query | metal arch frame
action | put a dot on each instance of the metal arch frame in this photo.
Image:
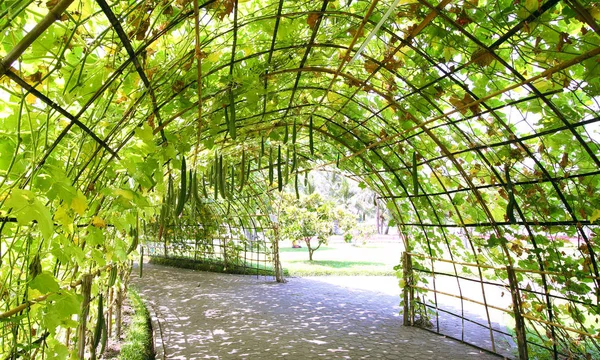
(427, 131)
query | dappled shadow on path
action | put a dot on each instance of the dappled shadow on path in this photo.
(208, 315)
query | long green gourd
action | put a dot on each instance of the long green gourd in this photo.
(99, 324)
(510, 207)
(311, 142)
(215, 173)
(182, 190)
(287, 166)
(216, 182)
(104, 338)
(190, 185)
(197, 194)
(136, 237)
(112, 277)
(294, 132)
(296, 186)
(222, 178)
(163, 215)
(259, 162)
(279, 177)
(243, 170)
(231, 120)
(248, 169)
(170, 195)
(271, 166)
(415, 177)
(232, 185)
(204, 192)
(215, 176)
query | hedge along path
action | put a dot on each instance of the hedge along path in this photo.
(476, 122)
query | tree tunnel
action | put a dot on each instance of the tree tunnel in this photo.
(476, 122)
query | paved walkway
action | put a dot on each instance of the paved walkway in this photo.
(201, 315)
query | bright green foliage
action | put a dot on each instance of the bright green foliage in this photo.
(475, 122)
(310, 219)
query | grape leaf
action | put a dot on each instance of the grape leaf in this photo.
(79, 203)
(27, 209)
(45, 283)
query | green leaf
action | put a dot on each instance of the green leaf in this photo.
(45, 283)
(79, 203)
(27, 208)
(595, 215)
(95, 236)
(56, 350)
(494, 241)
(145, 133)
(61, 306)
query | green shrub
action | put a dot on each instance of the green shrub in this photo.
(210, 265)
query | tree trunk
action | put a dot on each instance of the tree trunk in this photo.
(276, 260)
(310, 249)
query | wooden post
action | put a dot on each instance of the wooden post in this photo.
(141, 261)
(407, 290)
(119, 304)
(110, 310)
(519, 321)
(86, 289)
(68, 338)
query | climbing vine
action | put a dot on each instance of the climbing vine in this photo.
(142, 121)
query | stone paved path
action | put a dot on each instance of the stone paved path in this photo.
(201, 315)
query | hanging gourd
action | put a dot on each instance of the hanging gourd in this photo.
(311, 142)
(243, 170)
(270, 166)
(415, 178)
(182, 189)
(231, 119)
(294, 132)
(510, 207)
(221, 178)
(279, 177)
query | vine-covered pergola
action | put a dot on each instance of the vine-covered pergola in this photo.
(476, 122)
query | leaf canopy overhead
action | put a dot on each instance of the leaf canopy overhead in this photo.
(467, 114)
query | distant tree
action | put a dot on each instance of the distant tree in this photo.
(310, 219)
(346, 221)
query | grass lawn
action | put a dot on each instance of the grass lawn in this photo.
(341, 259)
